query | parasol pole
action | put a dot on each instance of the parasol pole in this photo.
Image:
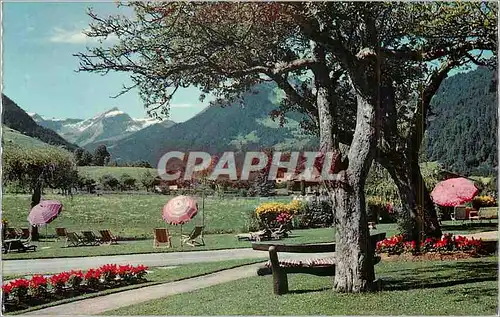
(203, 205)
(181, 236)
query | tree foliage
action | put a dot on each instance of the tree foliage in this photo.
(101, 155)
(50, 166)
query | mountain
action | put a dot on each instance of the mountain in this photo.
(462, 132)
(217, 129)
(105, 128)
(17, 119)
(12, 136)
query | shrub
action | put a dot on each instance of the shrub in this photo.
(447, 243)
(380, 210)
(19, 289)
(109, 182)
(483, 201)
(108, 272)
(392, 245)
(38, 286)
(139, 272)
(92, 277)
(75, 279)
(316, 213)
(58, 281)
(267, 213)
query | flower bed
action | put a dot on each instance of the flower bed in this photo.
(273, 214)
(448, 244)
(22, 293)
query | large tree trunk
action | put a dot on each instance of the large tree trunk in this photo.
(413, 193)
(354, 261)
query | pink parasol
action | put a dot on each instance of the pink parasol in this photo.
(180, 210)
(45, 212)
(453, 192)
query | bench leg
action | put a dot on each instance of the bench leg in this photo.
(280, 280)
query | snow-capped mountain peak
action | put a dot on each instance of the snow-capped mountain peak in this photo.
(107, 126)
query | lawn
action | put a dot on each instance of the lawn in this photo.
(467, 287)
(131, 215)
(158, 275)
(135, 216)
(51, 248)
(96, 172)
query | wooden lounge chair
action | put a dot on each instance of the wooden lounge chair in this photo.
(195, 238)
(61, 233)
(90, 238)
(459, 213)
(487, 213)
(17, 245)
(108, 237)
(25, 233)
(281, 232)
(14, 233)
(162, 237)
(74, 239)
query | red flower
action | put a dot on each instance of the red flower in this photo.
(59, 280)
(7, 288)
(37, 281)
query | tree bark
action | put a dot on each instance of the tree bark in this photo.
(35, 200)
(413, 192)
(354, 265)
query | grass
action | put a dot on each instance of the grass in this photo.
(58, 249)
(95, 172)
(16, 137)
(131, 215)
(135, 216)
(467, 287)
(156, 276)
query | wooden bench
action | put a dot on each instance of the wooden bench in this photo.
(487, 213)
(319, 267)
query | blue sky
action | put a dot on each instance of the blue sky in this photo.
(39, 69)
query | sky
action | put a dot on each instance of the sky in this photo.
(39, 69)
(39, 39)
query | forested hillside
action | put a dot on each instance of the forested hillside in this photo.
(16, 118)
(462, 132)
(217, 129)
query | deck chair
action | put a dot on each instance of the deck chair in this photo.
(195, 238)
(17, 245)
(261, 235)
(162, 237)
(14, 233)
(90, 238)
(73, 239)
(281, 232)
(459, 213)
(108, 237)
(61, 233)
(26, 233)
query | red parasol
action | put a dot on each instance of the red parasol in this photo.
(45, 212)
(453, 192)
(180, 210)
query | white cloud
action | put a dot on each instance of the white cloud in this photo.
(75, 36)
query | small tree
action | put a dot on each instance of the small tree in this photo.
(87, 158)
(127, 182)
(101, 155)
(38, 167)
(109, 182)
(147, 180)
